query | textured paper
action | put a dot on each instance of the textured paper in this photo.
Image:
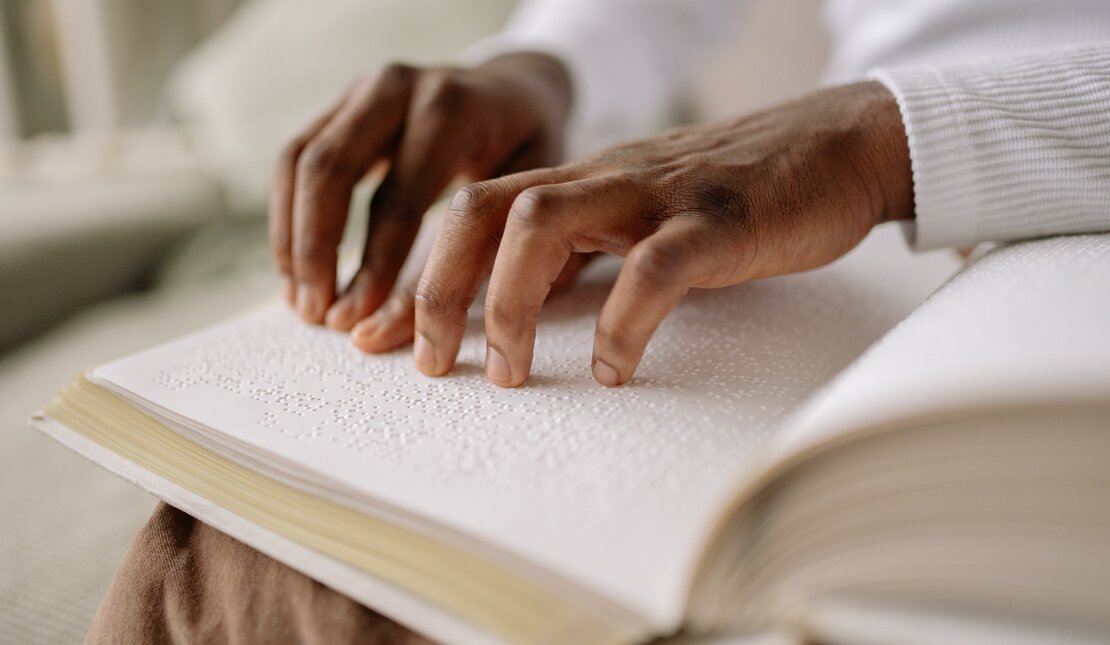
(1026, 324)
(607, 490)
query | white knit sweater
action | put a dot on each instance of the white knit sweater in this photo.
(1006, 102)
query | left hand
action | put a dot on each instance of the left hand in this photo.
(783, 190)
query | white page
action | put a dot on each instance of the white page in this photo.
(612, 489)
(1026, 324)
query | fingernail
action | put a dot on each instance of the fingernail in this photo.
(309, 304)
(605, 374)
(497, 368)
(339, 315)
(424, 354)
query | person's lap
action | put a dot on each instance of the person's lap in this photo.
(184, 581)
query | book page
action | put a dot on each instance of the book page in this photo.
(610, 490)
(1026, 324)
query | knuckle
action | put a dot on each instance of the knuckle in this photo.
(657, 262)
(441, 91)
(534, 206)
(431, 300)
(322, 158)
(474, 205)
(315, 246)
(509, 319)
(497, 314)
(472, 201)
(612, 339)
(471, 211)
(306, 250)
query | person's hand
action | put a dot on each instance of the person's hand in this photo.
(429, 126)
(784, 190)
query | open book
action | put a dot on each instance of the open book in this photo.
(773, 465)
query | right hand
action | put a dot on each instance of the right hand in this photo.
(429, 126)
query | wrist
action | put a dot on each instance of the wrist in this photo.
(888, 151)
(543, 76)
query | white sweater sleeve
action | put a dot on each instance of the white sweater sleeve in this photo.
(1009, 148)
(628, 59)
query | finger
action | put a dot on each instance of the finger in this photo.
(388, 241)
(460, 260)
(431, 153)
(392, 324)
(539, 154)
(656, 274)
(281, 200)
(539, 238)
(327, 170)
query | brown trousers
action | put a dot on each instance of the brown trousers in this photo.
(185, 582)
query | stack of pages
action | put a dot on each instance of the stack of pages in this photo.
(819, 453)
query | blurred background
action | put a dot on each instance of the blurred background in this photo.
(137, 139)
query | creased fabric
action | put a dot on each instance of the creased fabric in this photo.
(185, 582)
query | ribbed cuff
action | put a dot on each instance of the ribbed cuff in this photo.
(943, 163)
(1007, 149)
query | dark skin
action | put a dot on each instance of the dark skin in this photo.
(779, 191)
(428, 126)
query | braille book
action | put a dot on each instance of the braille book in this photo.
(830, 454)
